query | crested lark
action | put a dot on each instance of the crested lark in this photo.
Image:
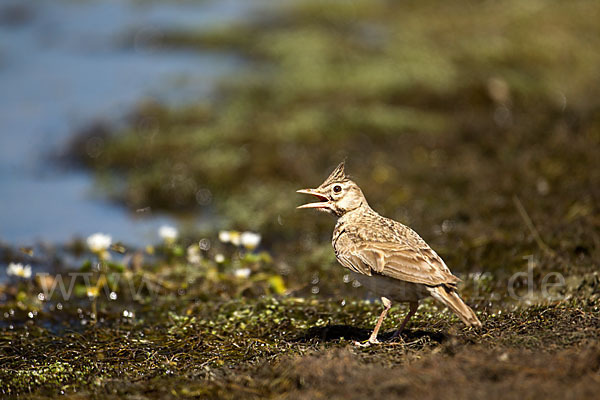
(385, 256)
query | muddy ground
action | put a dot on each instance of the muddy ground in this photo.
(296, 348)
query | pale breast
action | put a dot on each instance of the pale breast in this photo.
(393, 289)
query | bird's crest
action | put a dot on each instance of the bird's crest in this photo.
(338, 175)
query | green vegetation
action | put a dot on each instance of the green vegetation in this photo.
(445, 113)
(221, 322)
(477, 123)
(267, 347)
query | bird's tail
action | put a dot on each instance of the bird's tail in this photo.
(451, 299)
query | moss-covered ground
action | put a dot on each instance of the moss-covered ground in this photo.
(296, 347)
(476, 123)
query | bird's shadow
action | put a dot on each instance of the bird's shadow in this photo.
(336, 332)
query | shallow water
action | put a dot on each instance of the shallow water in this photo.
(64, 64)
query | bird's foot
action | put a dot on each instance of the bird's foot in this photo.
(367, 343)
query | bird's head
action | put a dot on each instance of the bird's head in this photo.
(337, 195)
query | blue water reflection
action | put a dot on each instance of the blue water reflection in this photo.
(65, 63)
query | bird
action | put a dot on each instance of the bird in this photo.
(387, 257)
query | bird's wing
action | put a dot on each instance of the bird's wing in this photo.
(405, 262)
(354, 263)
(401, 254)
(343, 251)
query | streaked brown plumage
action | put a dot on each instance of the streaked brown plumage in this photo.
(385, 256)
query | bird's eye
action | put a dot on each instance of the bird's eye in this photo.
(337, 188)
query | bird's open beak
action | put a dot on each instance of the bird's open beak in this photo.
(320, 204)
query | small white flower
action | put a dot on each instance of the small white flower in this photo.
(250, 240)
(220, 258)
(18, 269)
(224, 236)
(193, 254)
(242, 273)
(168, 233)
(233, 237)
(99, 242)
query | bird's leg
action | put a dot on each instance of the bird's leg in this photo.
(373, 338)
(411, 312)
(386, 307)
